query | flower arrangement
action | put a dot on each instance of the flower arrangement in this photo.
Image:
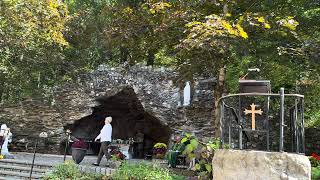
(80, 144)
(159, 150)
(116, 154)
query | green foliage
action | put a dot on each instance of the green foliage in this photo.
(315, 173)
(314, 162)
(144, 171)
(44, 43)
(160, 145)
(69, 170)
(31, 45)
(191, 145)
(202, 151)
(204, 166)
(313, 119)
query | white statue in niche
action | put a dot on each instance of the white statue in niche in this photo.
(186, 94)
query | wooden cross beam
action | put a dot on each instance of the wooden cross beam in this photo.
(253, 111)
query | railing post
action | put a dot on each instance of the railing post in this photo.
(302, 127)
(281, 118)
(221, 124)
(295, 127)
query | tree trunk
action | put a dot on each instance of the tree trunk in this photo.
(218, 93)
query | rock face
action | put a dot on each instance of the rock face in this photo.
(138, 99)
(256, 165)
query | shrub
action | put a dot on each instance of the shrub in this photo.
(69, 170)
(80, 144)
(315, 173)
(144, 171)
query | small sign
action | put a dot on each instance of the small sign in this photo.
(253, 113)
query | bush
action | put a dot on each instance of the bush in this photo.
(144, 171)
(69, 170)
(314, 162)
(315, 173)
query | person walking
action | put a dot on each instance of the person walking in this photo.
(105, 139)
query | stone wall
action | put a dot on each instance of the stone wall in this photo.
(154, 88)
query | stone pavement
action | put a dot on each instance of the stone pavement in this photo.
(52, 159)
(20, 166)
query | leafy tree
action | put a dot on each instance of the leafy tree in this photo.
(209, 38)
(45, 42)
(31, 43)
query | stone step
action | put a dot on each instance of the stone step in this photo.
(12, 169)
(7, 178)
(18, 175)
(14, 162)
(6, 167)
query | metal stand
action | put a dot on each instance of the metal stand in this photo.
(34, 156)
(67, 145)
(41, 135)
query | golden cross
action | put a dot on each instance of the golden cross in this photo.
(253, 111)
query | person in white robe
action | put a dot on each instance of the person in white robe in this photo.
(7, 135)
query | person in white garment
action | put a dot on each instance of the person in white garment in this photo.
(2, 135)
(7, 135)
(105, 139)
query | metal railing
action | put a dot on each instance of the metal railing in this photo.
(298, 145)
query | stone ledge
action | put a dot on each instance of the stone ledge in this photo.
(260, 165)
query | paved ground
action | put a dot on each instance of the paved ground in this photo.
(86, 164)
(52, 159)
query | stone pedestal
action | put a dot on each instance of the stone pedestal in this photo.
(259, 165)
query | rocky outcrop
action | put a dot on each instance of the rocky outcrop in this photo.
(256, 165)
(139, 92)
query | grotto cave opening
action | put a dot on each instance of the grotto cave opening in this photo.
(129, 118)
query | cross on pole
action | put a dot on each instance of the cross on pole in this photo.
(253, 111)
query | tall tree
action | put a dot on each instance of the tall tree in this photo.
(31, 43)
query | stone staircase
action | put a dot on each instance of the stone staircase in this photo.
(11, 169)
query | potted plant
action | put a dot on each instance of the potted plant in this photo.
(117, 155)
(79, 150)
(117, 158)
(159, 150)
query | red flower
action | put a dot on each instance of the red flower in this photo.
(316, 156)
